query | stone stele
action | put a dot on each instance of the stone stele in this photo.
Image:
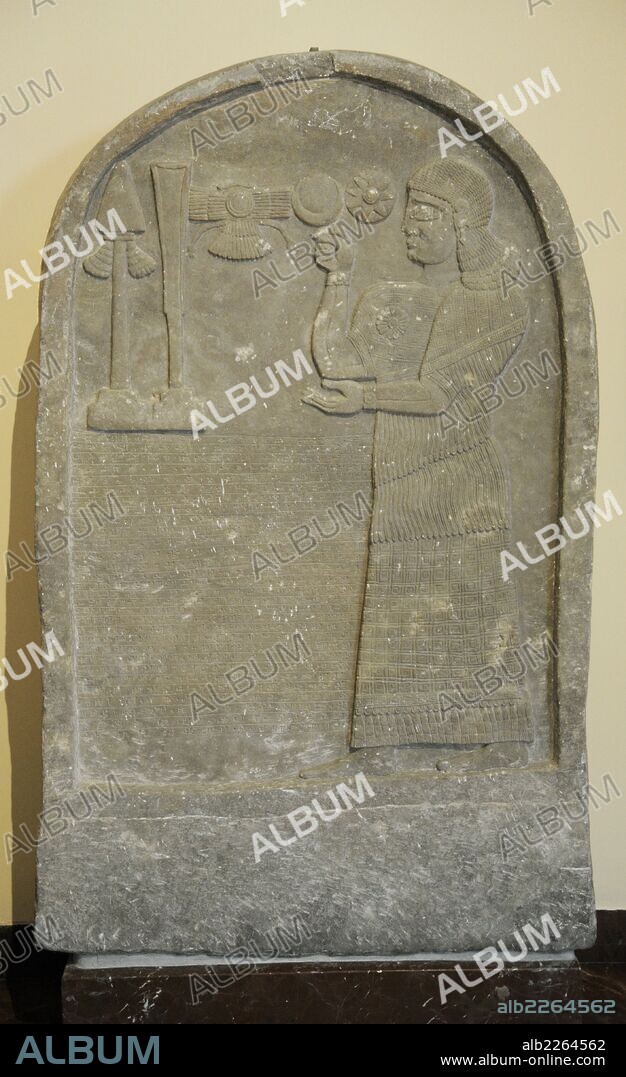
(317, 388)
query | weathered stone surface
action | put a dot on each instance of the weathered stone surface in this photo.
(240, 637)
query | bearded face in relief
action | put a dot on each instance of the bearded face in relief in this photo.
(429, 230)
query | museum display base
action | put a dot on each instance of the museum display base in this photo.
(323, 991)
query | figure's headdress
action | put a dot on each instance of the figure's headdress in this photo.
(470, 196)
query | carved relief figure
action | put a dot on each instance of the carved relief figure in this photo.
(436, 609)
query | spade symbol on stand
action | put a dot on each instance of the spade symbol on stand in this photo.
(119, 407)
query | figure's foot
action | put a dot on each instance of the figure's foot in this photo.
(501, 756)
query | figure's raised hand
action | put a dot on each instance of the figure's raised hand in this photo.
(336, 397)
(332, 253)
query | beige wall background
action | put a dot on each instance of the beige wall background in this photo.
(112, 57)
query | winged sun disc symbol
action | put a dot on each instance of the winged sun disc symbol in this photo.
(241, 211)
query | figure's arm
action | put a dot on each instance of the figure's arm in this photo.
(333, 352)
(416, 397)
(430, 394)
(348, 397)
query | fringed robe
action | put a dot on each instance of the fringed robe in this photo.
(436, 609)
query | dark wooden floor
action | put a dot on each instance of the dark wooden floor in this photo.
(31, 990)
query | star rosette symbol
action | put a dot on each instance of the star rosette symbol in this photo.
(392, 323)
(371, 195)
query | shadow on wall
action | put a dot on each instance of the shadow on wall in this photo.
(23, 698)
